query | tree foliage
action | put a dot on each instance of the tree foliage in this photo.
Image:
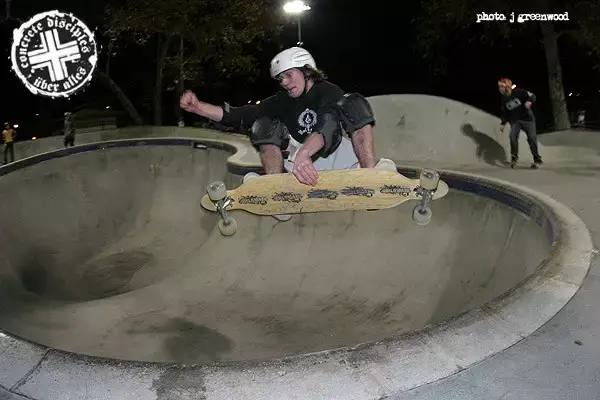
(442, 22)
(587, 34)
(219, 35)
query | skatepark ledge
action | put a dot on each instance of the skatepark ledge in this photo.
(366, 371)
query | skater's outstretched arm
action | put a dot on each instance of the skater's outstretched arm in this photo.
(190, 103)
(239, 117)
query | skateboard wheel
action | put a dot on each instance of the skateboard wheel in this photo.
(386, 164)
(229, 228)
(216, 191)
(429, 179)
(422, 215)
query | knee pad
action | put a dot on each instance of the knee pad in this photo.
(266, 130)
(356, 112)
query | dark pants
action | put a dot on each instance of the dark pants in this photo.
(69, 141)
(529, 128)
(9, 147)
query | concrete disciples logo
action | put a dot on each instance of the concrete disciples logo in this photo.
(54, 54)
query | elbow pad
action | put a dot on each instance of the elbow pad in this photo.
(235, 118)
(331, 131)
(356, 112)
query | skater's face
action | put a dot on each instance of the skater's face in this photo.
(504, 88)
(292, 80)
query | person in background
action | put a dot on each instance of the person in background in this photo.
(69, 130)
(581, 118)
(516, 109)
(8, 137)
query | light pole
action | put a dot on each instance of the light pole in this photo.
(296, 7)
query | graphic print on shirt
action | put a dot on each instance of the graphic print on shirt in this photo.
(513, 103)
(307, 120)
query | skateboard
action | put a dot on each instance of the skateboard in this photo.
(337, 190)
(513, 165)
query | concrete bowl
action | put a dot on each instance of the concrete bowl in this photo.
(115, 283)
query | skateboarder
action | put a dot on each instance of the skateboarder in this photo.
(300, 128)
(516, 109)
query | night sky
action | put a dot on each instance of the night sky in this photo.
(363, 46)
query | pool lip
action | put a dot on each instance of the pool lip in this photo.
(368, 370)
(235, 164)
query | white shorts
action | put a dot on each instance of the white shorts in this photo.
(343, 157)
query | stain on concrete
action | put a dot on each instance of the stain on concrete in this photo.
(276, 326)
(361, 309)
(381, 311)
(177, 384)
(185, 341)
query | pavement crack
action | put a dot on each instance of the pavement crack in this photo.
(30, 372)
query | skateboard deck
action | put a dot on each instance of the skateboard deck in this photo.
(518, 165)
(336, 190)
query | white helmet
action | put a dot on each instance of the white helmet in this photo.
(294, 57)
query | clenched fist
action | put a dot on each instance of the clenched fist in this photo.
(189, 102)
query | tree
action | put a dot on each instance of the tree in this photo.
(442, 20)
(192, 37)
(105, 78)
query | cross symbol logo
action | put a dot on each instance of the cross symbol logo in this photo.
(54, 55)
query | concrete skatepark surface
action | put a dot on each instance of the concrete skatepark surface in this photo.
(570, 181)
(114, 245)
(428, 130)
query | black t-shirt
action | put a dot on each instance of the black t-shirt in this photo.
(302, 116)
(513, 106)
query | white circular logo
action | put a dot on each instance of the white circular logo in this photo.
(54, 54)
(306, 120)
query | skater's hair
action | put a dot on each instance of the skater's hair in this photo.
(313, 73)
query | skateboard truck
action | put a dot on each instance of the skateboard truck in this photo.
(428, 180)
(217, 192)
